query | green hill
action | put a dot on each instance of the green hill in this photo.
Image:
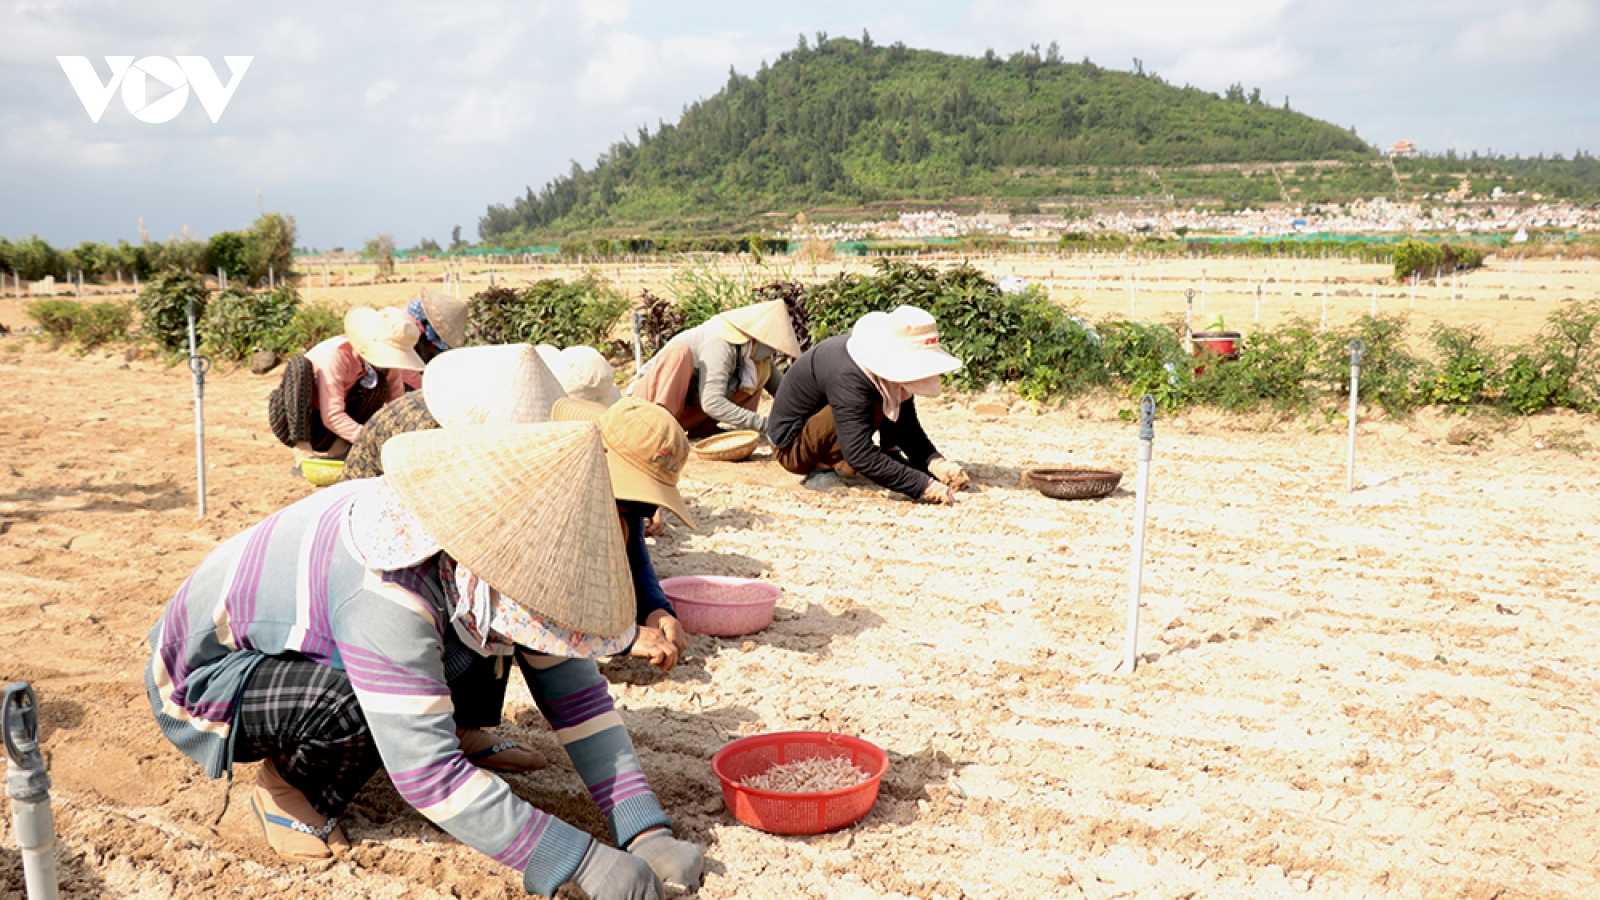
(848, 123)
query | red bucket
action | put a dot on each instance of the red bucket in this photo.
(1217, 343)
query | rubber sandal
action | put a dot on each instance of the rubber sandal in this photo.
(290, 838)
(285, 816)
(490, 751)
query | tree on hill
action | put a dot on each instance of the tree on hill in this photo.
(849, 122)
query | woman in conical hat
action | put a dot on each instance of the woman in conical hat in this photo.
(323, 643)
(711, 376)
(329, 393)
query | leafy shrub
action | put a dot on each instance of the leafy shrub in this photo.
(57, 318)
(1425, 260)
(1148, 359)
(701, 292)
(545, 312)
(1275, 369)
(659, 321)
(241, 321)
(1388, 367)
(163, 308)
(312, 324)
(225, 251)
(1464, 373)
(1561, 367)
(90, 326)
(269, 246)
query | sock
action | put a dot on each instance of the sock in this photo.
(678, 863)
(609, 874)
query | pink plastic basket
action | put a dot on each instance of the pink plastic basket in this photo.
(784, 813)
(722, 606)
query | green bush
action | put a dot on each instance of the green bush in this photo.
(89, 326)
(1148, 359)
(240, 321)
(1561, 367)
(1388, 367)
(1275, 369)
(57, 318)
(163, 308)
(1464, 372)
(700, 292)
(546, 312)
(1425, 260)
(312, 324)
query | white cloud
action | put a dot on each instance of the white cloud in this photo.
(380, 91)
(1525, 31)
(1153, 25)
(1250, 66)
(622, 66)
(597, 13)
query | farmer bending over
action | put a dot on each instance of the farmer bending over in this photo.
(849, 389)
(323, 642)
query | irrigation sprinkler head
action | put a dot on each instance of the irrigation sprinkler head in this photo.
(1357, 347)
(200, 365)
(1189, 296)
(1147, 418)
(26, 777)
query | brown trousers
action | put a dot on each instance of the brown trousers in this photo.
(667, 383)
(816, 447)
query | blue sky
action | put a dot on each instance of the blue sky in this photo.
(406, 118)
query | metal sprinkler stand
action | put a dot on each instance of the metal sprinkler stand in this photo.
(1147, 437)
(28, 786)
(199, 365)
(1356, 347)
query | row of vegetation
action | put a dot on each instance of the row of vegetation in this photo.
(251, 255)
(1016, 339)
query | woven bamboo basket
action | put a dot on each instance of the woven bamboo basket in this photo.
(729, 447)
(1072, 484)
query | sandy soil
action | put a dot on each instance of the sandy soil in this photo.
(1390, 692)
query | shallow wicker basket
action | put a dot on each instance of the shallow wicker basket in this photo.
(321, 472)
(1072, 484)
(731, 446)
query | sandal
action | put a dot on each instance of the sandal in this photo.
(285, 816)
(490, 751)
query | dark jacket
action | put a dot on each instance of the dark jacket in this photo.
(825, 375)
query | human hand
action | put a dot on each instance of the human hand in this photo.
(938, 492)
(652, 644)
(671, 629)
(654, 525)
(948, 472)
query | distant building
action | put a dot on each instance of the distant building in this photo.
(1403, 150)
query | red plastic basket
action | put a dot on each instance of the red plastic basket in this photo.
(785, 813)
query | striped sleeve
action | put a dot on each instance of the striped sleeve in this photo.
(392, 645)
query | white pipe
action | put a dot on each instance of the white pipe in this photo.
(198, 365)
(1147, 435)
(1357, 347)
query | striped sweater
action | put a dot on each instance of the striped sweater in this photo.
(294, 583)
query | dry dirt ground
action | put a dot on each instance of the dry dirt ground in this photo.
(1384, 693)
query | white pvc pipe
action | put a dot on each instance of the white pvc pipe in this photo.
(1357, 347)
(197, 366)
(1147, 434)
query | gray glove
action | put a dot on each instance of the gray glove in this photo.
(679, 863)
(609, 874)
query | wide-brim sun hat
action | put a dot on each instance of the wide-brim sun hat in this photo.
(527, 508)
(501, 384)
(447, 315)
(386, 338)
(767, 322)
(646, 449)
(584, 373)
(900, 346)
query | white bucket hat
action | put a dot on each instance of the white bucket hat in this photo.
(526, 508)
(385, 338)
(767, 322)
(502, 384)
(447, 315)
(900, 346)
(584, 373)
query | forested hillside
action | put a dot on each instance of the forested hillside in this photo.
(847, 122)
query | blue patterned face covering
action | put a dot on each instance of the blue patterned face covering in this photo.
(415, 310)
(369, 375)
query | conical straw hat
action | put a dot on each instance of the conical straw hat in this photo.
(502, 384)
(447, 315)
(768, 323)
(528, 509)
(386, 338)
